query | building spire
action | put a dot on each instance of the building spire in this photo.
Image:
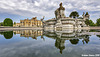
(60, 4)
(83, 13)
(61, 7)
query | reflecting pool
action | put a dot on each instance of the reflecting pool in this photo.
(50, 43)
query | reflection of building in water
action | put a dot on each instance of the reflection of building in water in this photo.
(67, 34)
(30, 33)
(72, 35)
(60, 36)
(86, 39)
(17, 32)
(60, 44)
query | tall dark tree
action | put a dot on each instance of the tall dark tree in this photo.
(87, 22)
(14, 23)
(74, 14)
(1, 24)
(98, 22)
(86, 13)
(91, 23)
(8, 22)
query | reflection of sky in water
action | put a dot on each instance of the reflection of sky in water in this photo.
(28, 47)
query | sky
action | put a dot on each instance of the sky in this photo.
(22, 9)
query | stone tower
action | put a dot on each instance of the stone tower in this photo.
(83, 15)
(59, 13)
(86, 16)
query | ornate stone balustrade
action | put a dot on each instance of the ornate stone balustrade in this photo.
(68, 22)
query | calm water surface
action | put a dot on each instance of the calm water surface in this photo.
(42, 43)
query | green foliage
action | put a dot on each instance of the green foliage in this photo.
(2, 33)
(89, 22)
(14, 23)
(92, 30)
(86, 13)
(1, 24)
(15, 33)
(58, 45)
(98, 22)
(98, 36)
(7, 34)
(8, 22)
(74, 14)
(74, 41)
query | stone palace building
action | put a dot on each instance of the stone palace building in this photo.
(62, 22)
(29, 23)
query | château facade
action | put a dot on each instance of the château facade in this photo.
(62, 22)
(29, 23)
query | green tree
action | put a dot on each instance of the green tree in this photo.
(8, 22)
(87, 22)
(91, 23)
(98, 22)
(74, 14)
(86, 13)
(1, 24)
(8, 34)
(98, 36)
(74, 41)
(14, 23)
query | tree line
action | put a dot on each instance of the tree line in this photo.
(89, 22)
(74, 14)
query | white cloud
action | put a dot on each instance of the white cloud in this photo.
(46, 7)
(36, 3)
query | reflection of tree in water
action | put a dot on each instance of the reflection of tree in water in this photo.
(74, 41)
(34, 37)
(42, 37)
(15, 33)
(60, 44)
(8, 34)
(98, 36)
(86, 39)
(61, 37)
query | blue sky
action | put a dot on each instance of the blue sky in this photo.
(22, 9)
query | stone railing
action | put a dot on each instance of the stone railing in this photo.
(68, 22)
(79, 22)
